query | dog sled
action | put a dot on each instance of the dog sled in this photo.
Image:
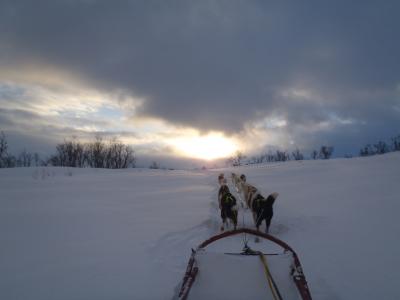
(215, 273)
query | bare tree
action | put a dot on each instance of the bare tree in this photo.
(6, 160)
(237, 160)
(129, 158)
(70, 153)
(381, 147)
(96, 153)
(269, 157)
(314, 154)
(24, 159)
(10, 161)
(367, 151)
(154, 165)
(3, 150)
(36, 159)
(396, 143)
(326, 152)
(74, 153)
(119, 155)
(297, 155)
(281, 156)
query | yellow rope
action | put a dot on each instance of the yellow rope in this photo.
(268, 274)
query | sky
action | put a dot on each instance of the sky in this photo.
(194, 81)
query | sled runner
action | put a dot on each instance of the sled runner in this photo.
(248, 274)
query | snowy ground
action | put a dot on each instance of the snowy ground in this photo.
(104, 234)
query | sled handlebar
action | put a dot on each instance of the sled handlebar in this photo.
(297, 271)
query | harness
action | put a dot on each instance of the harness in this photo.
(228, 200)
(271, 282)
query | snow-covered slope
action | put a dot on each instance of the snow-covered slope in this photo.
(103, 234)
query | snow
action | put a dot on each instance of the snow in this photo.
(239, 277)
(127, 234)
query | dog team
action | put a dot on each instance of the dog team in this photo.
(260, 207)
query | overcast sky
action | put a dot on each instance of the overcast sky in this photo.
(163, 74)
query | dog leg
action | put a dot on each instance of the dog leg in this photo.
(257, 239)
(222, 225)
(254, 218)
(267, 224)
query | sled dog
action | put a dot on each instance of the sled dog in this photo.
(221, 179)
(249, 193)
(262, 210)
(227, 206)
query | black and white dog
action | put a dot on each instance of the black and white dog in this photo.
(262, 210)
(227, 206)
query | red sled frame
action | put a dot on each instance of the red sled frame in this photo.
(296, 272)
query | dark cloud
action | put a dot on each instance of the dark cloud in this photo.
(14, 116)
(27, 129)
(217, 65)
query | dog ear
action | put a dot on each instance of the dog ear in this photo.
(275, 195)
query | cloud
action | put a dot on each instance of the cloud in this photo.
(51, 113)
(289, 72)
(50, 106)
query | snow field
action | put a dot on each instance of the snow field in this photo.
(108, 234)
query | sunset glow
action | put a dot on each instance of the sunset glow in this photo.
(209, 147)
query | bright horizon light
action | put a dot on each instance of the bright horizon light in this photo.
(209, 147)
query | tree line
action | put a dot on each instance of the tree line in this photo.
(324, 152)
(112, 154)
(24, 159)
(381, 147)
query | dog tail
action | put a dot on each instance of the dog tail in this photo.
(269, 201)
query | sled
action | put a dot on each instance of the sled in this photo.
(248, 274)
